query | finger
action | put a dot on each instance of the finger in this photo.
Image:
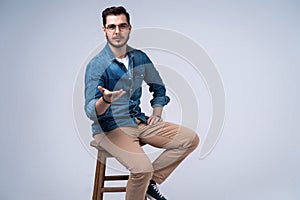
(102, 89)
(121, 93)
(156, 120)
(152, 120)
(118, 94)
(149, 120)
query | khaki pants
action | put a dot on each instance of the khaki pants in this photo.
(124, 144)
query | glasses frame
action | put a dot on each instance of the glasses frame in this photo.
(113, 27)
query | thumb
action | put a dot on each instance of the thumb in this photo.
(101, 89)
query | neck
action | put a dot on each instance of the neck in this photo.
(119, 52)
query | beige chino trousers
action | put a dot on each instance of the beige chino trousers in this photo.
(124, 144)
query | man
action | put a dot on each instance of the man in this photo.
(113, 90)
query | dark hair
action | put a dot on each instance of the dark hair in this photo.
(115, 11)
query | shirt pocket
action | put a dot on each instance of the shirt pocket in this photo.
(138, 78)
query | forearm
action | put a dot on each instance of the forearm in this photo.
(101, 106)
(157, 111)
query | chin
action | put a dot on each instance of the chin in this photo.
(118, 45)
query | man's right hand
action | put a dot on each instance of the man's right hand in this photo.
(111, 95)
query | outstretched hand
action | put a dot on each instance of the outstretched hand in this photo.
(111, 95)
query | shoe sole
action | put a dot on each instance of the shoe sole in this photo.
(149, 197)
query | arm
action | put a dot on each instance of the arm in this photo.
(157, 87)
(94, 92)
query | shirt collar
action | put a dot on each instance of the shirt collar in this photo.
(112, 57)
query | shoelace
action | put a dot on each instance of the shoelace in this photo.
(156, 189)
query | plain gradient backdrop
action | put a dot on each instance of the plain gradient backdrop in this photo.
(254, 45)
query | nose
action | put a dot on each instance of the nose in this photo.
(117, 29)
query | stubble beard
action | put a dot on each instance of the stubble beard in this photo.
(118, 44)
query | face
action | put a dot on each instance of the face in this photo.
(117, 30)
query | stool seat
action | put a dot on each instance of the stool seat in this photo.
(101, 177)
(93, 143)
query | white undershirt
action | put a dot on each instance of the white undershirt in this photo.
(124, 60)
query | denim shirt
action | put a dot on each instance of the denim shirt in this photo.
(106, 71)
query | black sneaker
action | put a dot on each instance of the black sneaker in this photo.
(153, 193)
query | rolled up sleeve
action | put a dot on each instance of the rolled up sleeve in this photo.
(156, 86)
(90, 110)
(159, 95)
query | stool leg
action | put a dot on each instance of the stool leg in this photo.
(99, 176)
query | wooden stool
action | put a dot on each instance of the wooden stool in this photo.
(100, 176)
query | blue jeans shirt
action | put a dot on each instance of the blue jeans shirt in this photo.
(106, 71)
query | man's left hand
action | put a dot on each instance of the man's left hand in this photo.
(154, 119)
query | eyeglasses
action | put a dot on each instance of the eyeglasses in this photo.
(112, 27)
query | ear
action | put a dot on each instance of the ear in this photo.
(103, 30)
(130, 27)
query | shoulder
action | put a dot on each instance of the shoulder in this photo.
(97, 65)
(140, 56)
(93, 64)
(137, 52)
(102, 58)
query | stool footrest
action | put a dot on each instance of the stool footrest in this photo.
(114, 189)
(116, 178)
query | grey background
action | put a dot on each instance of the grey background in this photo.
(254, 45)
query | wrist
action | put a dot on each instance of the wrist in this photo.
(106, 101)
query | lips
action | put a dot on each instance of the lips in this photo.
(117, 38)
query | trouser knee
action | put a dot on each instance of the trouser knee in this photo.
(141, 165)
(190, 139)
(195, 142)
(144, 177)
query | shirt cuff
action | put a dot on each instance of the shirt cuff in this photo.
(90, 110)
(159, 101)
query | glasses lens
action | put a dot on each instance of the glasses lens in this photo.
(111, 27)
(123, 26)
